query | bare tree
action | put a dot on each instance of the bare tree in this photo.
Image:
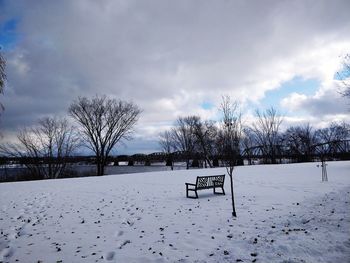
(45, 146)
(2, 78)
(104, 122)
(167, 146)
(299, 141)
(183, 136)
(232, 134)
(248, 143)
(333, 139)
(205, 134)
(165, 142)
(266, 130)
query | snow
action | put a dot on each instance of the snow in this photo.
(285, 214)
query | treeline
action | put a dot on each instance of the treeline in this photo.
(100, 123)
(263, 139)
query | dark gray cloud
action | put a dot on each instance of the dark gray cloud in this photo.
(167, 56)
(324, 106)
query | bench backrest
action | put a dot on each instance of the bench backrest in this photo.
(204, 182)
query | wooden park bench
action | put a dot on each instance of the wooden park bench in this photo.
(206, 182)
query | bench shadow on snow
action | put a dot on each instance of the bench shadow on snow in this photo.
(206, 195)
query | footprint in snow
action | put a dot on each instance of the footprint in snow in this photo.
(122, 244)
(119, 233)
(128, 222)
(109, 256)
(6, 253)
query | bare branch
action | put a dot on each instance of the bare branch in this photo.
(231, 137)
(2, 78)
(104, 122)
(266, 130)
(52, 139)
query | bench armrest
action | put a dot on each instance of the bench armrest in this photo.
(190, 184)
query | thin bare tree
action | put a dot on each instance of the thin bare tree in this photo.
(45, 146)
(232, 134)
(248, 143)
(167, 145)
(299, 141)
(205, 134)
(333, 139)
(266, 130)
(2, 78)
(183, 137)
(104, 122)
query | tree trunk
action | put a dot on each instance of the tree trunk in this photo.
(103, 164)
(233, 199)
(50, 168)
(99, 165)
(102, 169)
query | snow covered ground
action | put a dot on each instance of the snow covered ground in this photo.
(285, 214)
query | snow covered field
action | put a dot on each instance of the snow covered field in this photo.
(285, 214)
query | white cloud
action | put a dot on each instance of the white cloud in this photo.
(294, 101)
(170, 56)
(326, 101)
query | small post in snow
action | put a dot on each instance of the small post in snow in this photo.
(324, 171)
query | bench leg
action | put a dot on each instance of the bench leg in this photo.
(219, 193)
(193, 197)
(188, 196)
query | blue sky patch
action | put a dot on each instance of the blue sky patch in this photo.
(298, 84)
(342, 74)
(206, 105)
(8, 35)
(274, 97)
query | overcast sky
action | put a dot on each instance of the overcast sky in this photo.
(174, 58)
